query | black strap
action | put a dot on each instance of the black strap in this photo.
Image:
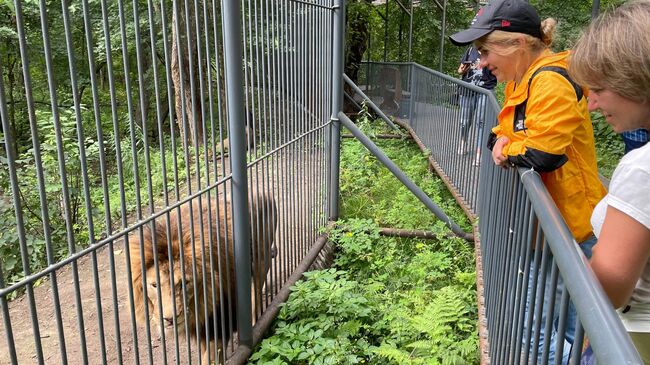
(540, 160)
(520, 109)
(562, 71)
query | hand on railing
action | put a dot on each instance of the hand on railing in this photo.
(497, 155)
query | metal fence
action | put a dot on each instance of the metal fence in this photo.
(145, 144)
(449, 118)
(522, 235)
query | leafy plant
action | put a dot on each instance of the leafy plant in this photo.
(609, 145)
(386, 300)
(324, 322)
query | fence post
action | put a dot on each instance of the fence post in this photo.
(337, 102)
(442, 36)
(413, 92)
(241, 226)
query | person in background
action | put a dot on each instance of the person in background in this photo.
(634, 139)
(544, 125)
(472, 104)
(612, 58)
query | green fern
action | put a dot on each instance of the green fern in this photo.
(394, 355)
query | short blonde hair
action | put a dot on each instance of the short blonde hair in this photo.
(613, 52)
(506, 43)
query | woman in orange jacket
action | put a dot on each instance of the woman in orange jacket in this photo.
(544, 123)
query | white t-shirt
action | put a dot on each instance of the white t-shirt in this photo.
(629, 192)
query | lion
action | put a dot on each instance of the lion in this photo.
(204, 272)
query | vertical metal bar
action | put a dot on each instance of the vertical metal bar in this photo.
(579, 335)
(337, 102)
(241, 228)
(522, 285)
(293, 130)
(184, 135)
(174, 150)
(385, 31)
(9, 139)
(502, 286)
(127, 81)
(11, 161)
(152, 38)
(297, 175)
(211, 332)
(120, 175)
(564, 306)
(100, 141)
(76, 99)
(442, 34)
(550, 314)
(595, 9)
(265, 114)
(251, 109)
(200, 141)
(287, 113)
(410, 38)
(414, 83)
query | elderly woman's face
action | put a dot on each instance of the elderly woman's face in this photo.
(621, 113)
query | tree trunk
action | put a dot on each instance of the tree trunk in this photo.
(182, 85)
(358, 18)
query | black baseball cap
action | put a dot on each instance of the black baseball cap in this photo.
(506, 15)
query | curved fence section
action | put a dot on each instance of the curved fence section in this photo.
(523, 238)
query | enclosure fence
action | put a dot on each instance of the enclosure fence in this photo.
(145, 145)
(523, 238)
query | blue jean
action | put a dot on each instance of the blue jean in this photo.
(472, 110)
(586, 247)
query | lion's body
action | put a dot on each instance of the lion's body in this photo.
(196, 244)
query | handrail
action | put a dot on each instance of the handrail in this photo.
(596, 312)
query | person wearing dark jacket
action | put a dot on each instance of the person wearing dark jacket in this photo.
(473, 104)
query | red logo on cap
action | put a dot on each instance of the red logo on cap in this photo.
(505, 23)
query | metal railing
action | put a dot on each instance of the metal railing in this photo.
(133, 129)
(522, 235)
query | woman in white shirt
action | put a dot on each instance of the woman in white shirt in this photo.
(612, 58)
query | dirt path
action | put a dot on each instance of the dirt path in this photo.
(296, 180)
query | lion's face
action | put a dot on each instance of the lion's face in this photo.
(171, 297)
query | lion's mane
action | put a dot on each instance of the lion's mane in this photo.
(198, 238)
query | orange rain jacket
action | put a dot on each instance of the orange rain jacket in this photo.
(556, 139)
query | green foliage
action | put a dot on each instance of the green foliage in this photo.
(609, 145)
(356, 241)
(389, 29)
(386, 300)
(368, 186)
(324, 322)
(390, 37)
